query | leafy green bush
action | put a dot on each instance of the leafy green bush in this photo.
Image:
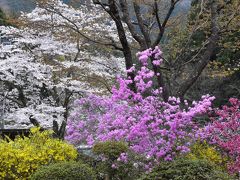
(115, 160)
(21, 157)
(110, 149)
(64, 171)
(186, 169)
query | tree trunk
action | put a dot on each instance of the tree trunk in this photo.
(123, 39)
(206, 57)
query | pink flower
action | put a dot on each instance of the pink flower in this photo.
(149, 125)
(156, 62)
(114, 166)
(224, 132)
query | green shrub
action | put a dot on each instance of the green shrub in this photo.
(110, 149)
(186, 169)
(87, 159)
(111, 165)
(21, 157)
(64, 171)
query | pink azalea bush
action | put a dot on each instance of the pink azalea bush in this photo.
(224, 131)
(154, 128)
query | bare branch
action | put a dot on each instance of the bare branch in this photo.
(206, 57)
(76, 29)
(126, 18)
(162, 26)
(141, 25)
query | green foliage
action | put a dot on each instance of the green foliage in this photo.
(66, 171)
(110, 149)
(227, 52)
(21, 157)
(2, 18)
(61, 58)
(111, 165)
(203, 151)
(87, 159)
(187, 44)
(186, 169)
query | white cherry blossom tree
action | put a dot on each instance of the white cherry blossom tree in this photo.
(56, 55)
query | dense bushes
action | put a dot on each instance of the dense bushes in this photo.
(204, 151)
(186, 169)
(110, 149)
(224, 132)
(159, 129)
(64, 171)
(116, 160)
(21, 157)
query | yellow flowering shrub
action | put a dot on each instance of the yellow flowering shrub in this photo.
(21, 157)
(204, 151)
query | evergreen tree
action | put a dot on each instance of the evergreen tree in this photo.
(2, 18)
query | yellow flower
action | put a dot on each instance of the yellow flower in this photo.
(202, 150)
(21, 157)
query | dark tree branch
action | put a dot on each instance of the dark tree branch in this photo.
(114, 13)
(163, 25)
(34, 121)
(206, 57)
(142, 26)
(76, 29)
(157, 15)
(126, 18)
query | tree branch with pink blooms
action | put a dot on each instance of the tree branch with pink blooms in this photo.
(160, 130)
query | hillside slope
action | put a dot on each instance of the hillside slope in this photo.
(16, 6)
